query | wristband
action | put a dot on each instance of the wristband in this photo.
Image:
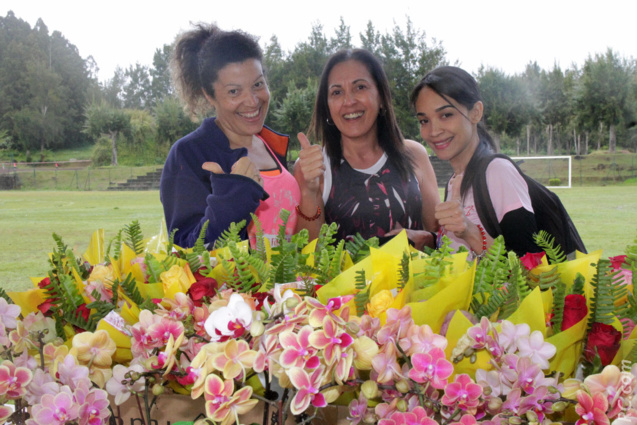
(303, 216)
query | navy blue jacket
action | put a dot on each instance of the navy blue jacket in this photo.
(191, 195)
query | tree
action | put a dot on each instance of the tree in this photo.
(295, 111)
(161, 84)
(342, 38)
(407, 57)
(603, 95)
(171, 121)
(506, 103)
(102, 118)
(113, 89)
(137, 87)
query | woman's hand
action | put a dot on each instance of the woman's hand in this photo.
(243, 167)
(451, 215)
(420, 238)
(311, 165)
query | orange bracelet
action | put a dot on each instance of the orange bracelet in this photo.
(314, 217)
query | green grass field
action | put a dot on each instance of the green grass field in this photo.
(605, 217)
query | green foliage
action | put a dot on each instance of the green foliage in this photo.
(403, 271)
(362, 296)
(232, 234)
(134, 237)
(602, 302)
(559, 295)
(545, 241)
(129, 287)
(358, 247)
(436, 264)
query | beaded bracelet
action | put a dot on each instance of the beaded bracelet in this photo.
(303, 216)
(484, 242)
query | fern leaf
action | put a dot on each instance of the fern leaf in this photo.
(200, 245)
(232, 234)
(602, 301)
(403, 271)
(545, 241)
(135, 238)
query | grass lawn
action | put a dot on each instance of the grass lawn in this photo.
(605, 217)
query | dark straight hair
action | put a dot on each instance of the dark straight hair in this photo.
(451, 82)
(390, 137)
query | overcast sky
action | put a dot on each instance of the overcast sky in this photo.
(504, 34)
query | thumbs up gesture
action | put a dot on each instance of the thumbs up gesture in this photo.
(310, 165)
(243, 167)
(451, 214)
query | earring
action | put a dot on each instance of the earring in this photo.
(329, 121)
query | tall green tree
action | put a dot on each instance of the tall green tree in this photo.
(161, 84)
(101, 118)
(137, 87)
(604, 93)
(295, 111)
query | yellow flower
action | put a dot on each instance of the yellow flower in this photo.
(102, 274)
(95, 349)
(175, 276)
(365, 350)
(380, 302)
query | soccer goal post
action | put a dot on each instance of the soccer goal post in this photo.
(552, 171)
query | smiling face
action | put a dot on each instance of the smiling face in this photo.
(353, 100)
(449, 128)
(241, 100)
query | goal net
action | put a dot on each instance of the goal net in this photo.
(552, 171)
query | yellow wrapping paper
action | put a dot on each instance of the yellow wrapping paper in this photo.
(122, 342)
(95, 252)
(28, 300)
(455, 294)
(531, 312)
(569, 345)
(458, 326)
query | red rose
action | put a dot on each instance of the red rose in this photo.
(203, 287)
(617, 261)
(44, 283)
(260, 298)
(45, 306)
(605, 339)
(83, 311)
(532, 259)
(574, 310)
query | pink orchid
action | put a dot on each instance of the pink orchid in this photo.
(320, 311)
(70, 373)
(592, 410)
(613, 384)
(466, 420)
(14, 380)
(418, 416)
(178, 308)
(513, 400)
(217, 392)
(230, 321)
(56, 410)
(290, 320)
(331, 339)
(385, 364)
(369, 326)
(510, 333)
(164, 329)
(5, 413)
(308, 387)
(42, 383)
(431, 367)
(539, 402)
(397, 325)
(297, 350)
(122, 387)
(357, 410)
(268, 353)
(421, 339)
(479, 333)
(536, 348)
(529, 374)
(235, 358)
(463, 393)
(9, 314)
(94, 409)
(491, 379)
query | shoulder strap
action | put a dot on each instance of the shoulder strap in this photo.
(482, 198)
